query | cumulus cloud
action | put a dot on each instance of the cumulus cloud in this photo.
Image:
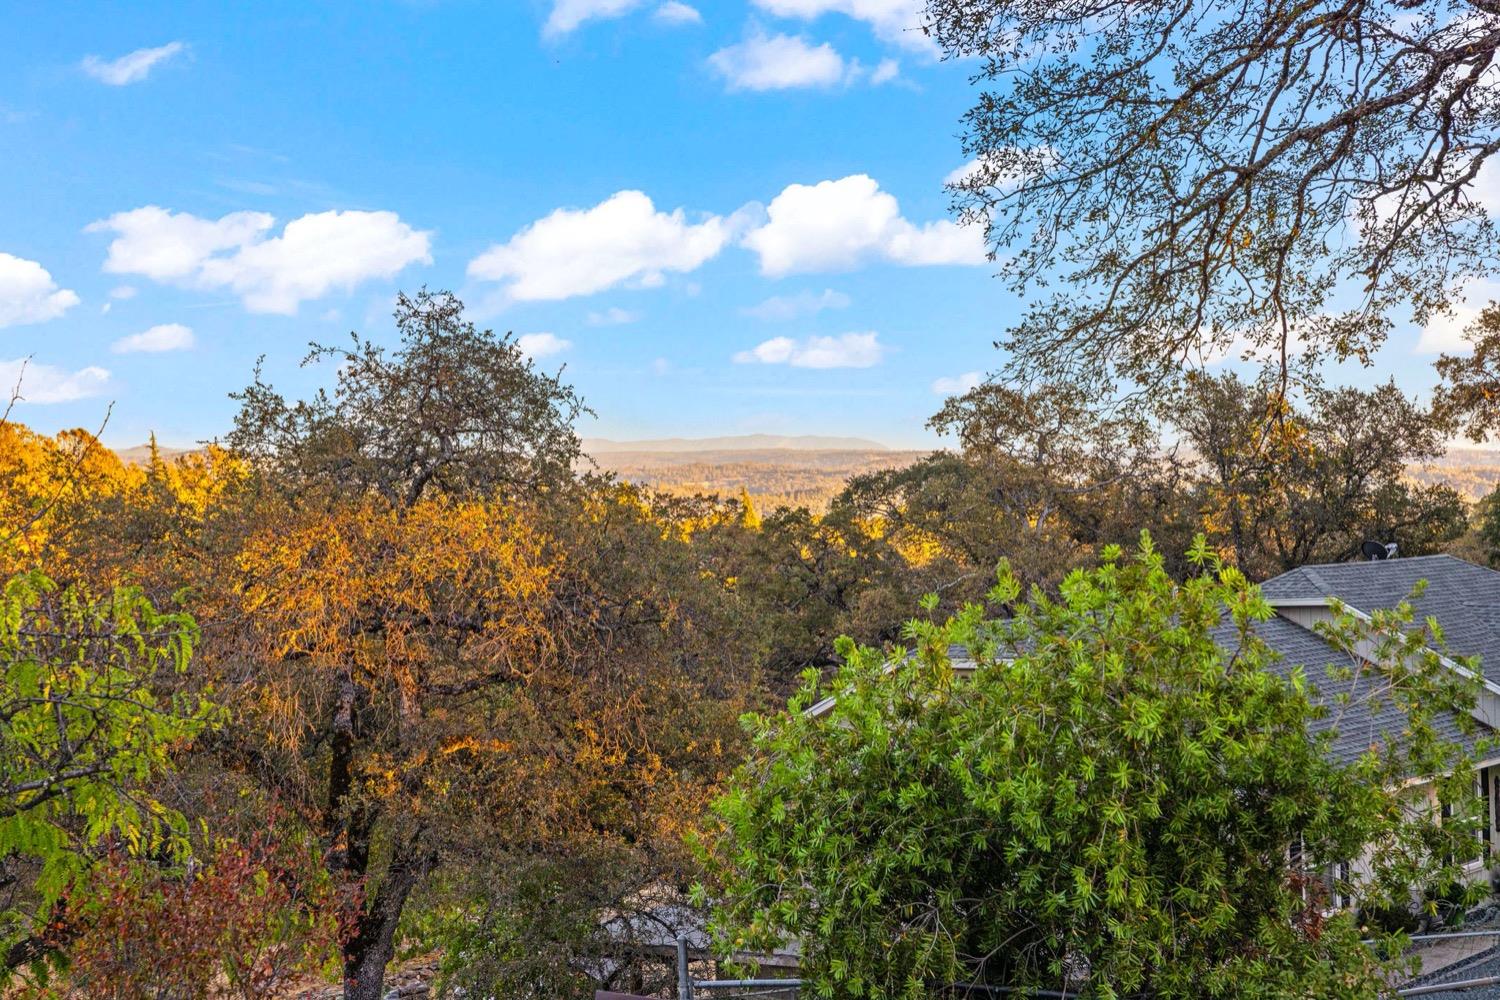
(779, 62)
(1445, 333)
(119, 292)
(896, 21)
(28, 294)
(885, 71)
(48, 384)
(847, 350)
(676, 12)
(159, 338)
(962, 174)
(1024, 163)
(168, 246)
(133, 67)
(805, 303)
(568, 15)
(313, 255)
(1215, 350)
(540, 345)
(613, 316)
(836, 225)
(954, 385)
(1486, 188)
(623, 240)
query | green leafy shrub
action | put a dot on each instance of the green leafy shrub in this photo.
(86, 723)
(1108, 802)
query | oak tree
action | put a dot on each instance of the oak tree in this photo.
(1281, 485)
(1281, 180)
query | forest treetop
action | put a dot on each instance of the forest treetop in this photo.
(453, 409)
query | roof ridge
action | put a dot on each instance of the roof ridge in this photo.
(1316, 579)
(1394, 560)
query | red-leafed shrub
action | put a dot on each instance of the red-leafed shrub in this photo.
(244, 922)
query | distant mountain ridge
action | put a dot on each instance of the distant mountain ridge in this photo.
(810, 469)
(141, 454)
(740, 442)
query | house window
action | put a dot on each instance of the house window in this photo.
(1485, 784)
(1335, 878)
(1336, 885)
(1338, 892)
(1481, 854)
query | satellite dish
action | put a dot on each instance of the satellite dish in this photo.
(1374, 550)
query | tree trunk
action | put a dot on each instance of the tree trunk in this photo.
(340, 766)
(347, 821)
(370, 949)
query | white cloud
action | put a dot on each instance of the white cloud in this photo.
(886, 71)
(677, 12)
(164, 246)
(46, 384)
(835, 225)
(28, 294)
(661, 366)
(317, 253)
(313, 255)
(122, 292)
(613, 316)
(1446, 333)
(959, 175)
(1027, 162)
(779, 62)
(896, 21)
(957, 384)
(847, 350)
(568, 15)
(132, 67)
(163, 337)
(1486, 187)
(1212, 351)
(788, 307)
(1483, 191)
(622, 240)
(539, 345)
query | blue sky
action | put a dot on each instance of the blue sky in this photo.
(722, 218)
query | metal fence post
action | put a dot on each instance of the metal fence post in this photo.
(684, 980)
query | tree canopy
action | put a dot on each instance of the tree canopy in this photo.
(1208, 177)
(458, 649)
(453, 409)
(1282, 485)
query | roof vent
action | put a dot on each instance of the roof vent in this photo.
(1373, 550)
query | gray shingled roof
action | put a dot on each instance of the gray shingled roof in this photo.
(1463, 597)
(1360, 724)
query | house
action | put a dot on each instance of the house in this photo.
(1463, 598)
